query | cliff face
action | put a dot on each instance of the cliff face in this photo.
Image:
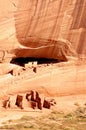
(42, 28)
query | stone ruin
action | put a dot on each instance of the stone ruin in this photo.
(32, 97)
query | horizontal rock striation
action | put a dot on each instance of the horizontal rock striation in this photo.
(42, 28)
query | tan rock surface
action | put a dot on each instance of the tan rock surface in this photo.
(43, 28)
(53, 80)
(31, 28)
(65, 82)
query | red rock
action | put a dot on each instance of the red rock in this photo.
(32, 27)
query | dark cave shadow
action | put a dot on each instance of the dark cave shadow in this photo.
(22, 61)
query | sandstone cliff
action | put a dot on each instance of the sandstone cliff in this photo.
(42, 28)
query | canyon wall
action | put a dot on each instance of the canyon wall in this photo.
(42, 28)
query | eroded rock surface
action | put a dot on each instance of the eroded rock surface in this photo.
(42, 28)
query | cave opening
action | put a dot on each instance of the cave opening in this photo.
(22, 61)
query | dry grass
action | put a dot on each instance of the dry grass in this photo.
(54, 121)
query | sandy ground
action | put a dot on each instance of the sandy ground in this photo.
(65, 82)
(65, 104)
